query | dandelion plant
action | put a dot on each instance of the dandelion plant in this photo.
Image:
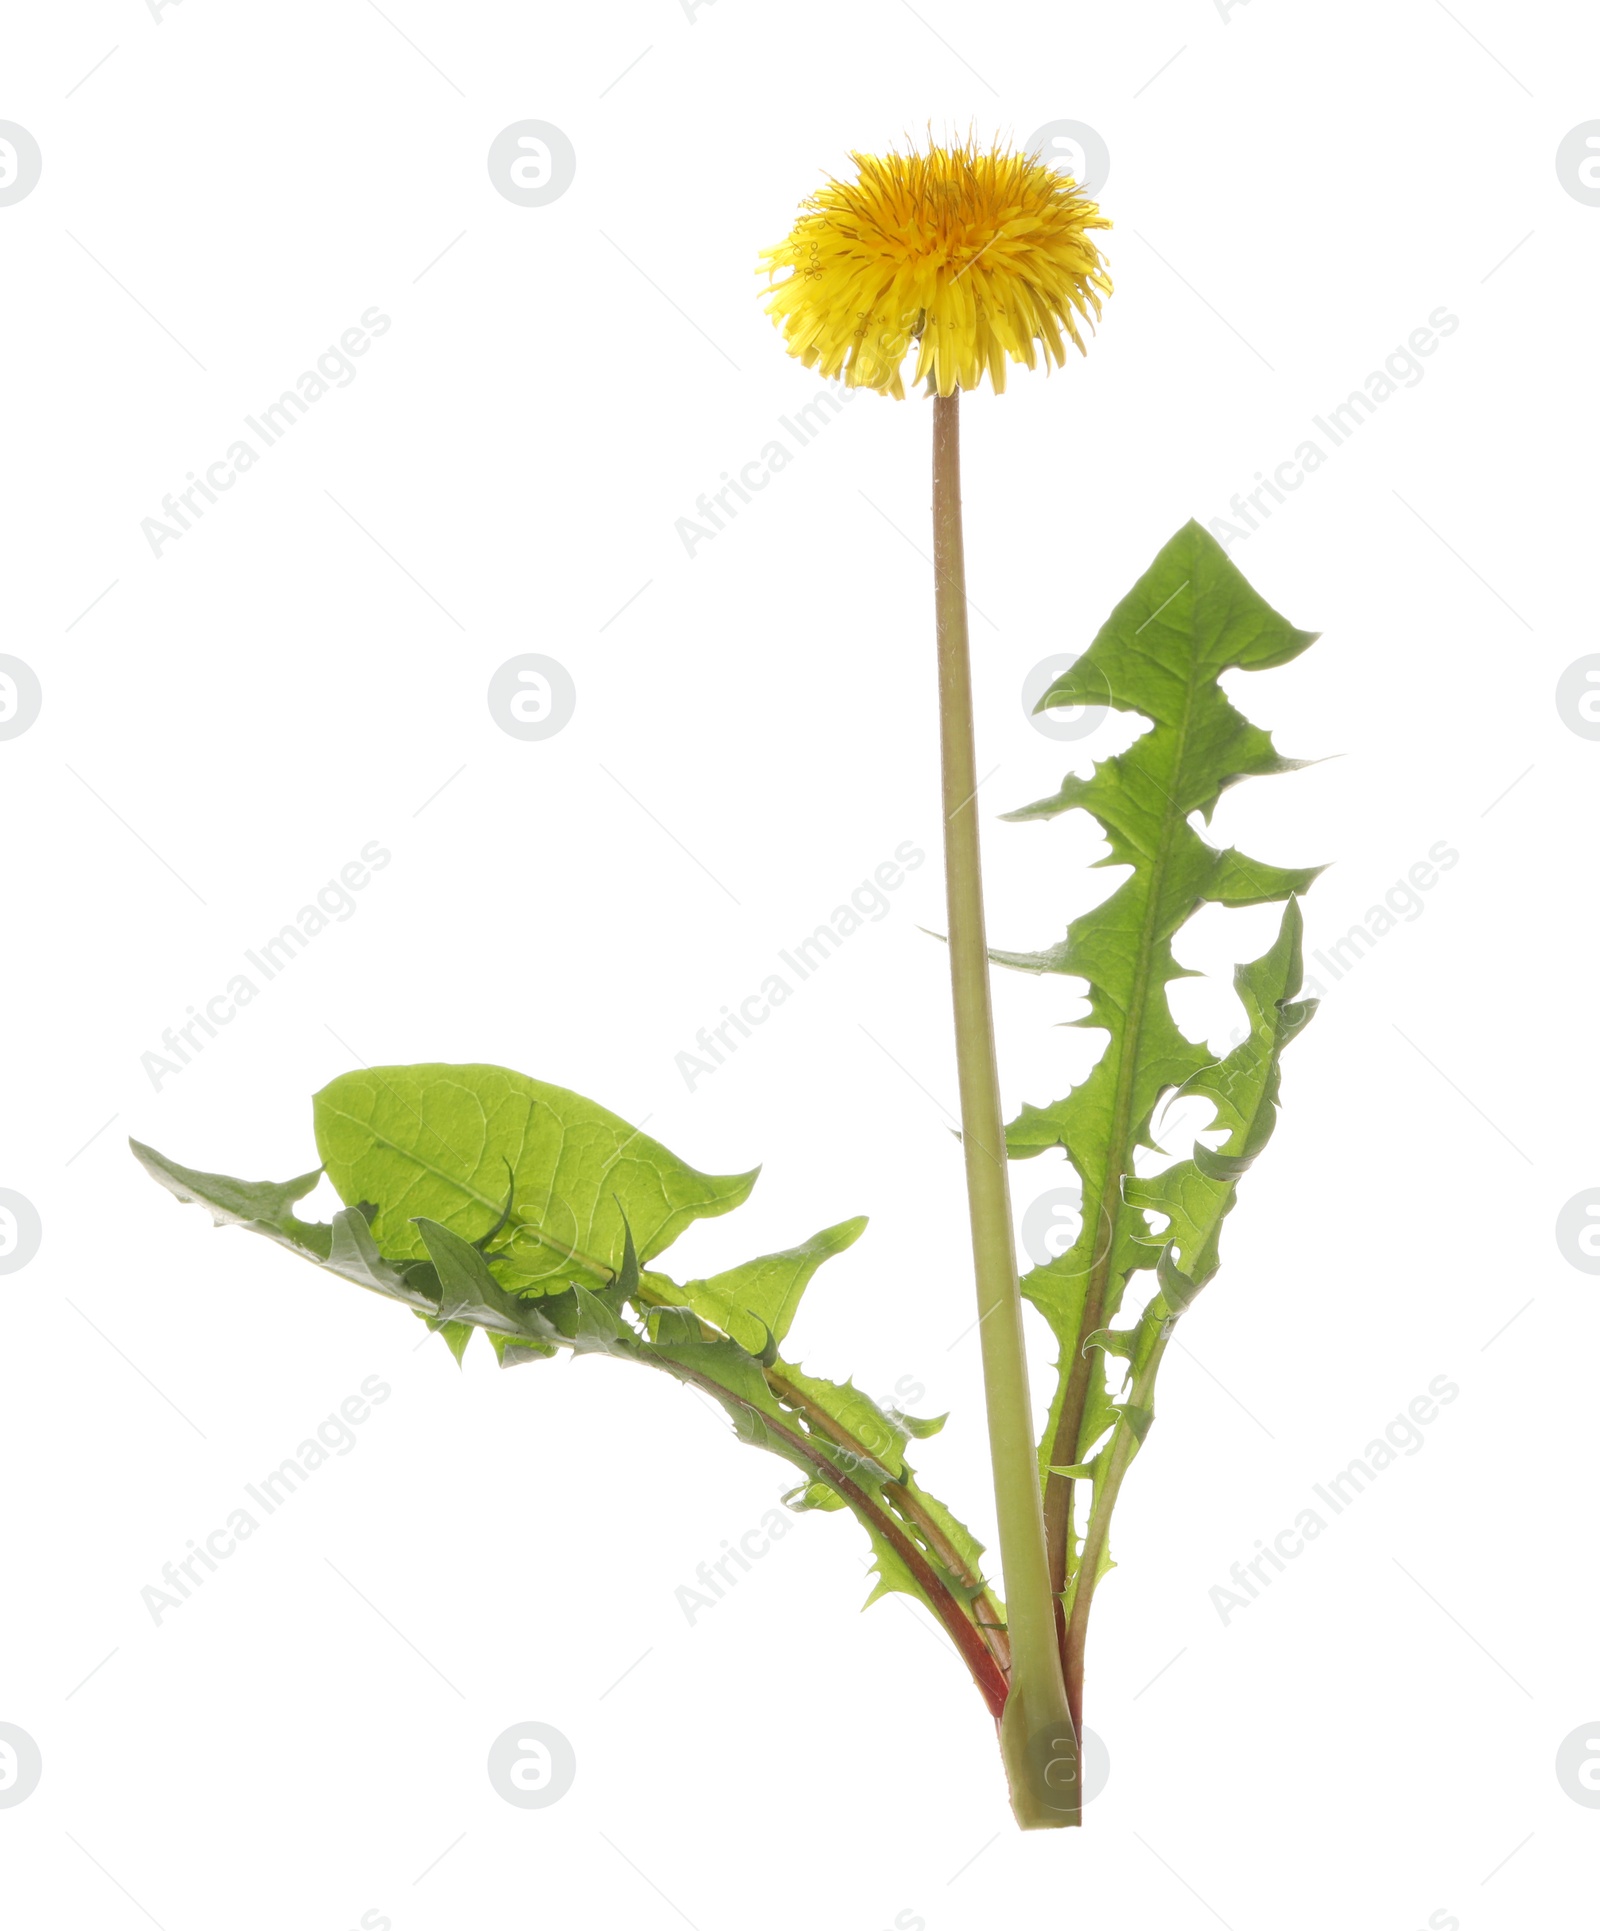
(974, 258)
(482, 1198)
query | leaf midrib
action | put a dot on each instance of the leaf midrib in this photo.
(1127, 1068)
(1092, 1317)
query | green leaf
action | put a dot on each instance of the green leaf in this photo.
(1243, 1089)
(952, 1546)
(438, 1142)
(353, 1255)
(1195, 1195)
(469, 1293)
(512, 1353)
(1177, 1287)
(894, 1578)
(400, 1140)
(456, 1336)
(264, 1206)
(1191, 618)
(813, 1495)
(876, 1452)
(600, 1328)
(1137, 1419)
(920, 1426)
(757, 1301)
(674, 1326)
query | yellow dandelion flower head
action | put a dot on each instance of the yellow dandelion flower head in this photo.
(974, 256)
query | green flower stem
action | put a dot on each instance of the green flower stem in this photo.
(1037, 1737)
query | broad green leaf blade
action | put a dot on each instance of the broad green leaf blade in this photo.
(446, 1142)
(759, 1299)
(1190, 618)
(469, 1271)
(264, 1206)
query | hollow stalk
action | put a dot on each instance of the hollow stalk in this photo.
(1037, 1739)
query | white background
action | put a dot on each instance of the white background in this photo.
(1295, 191)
